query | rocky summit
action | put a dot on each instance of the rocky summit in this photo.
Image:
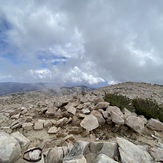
(79, 128)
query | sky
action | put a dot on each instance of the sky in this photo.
(89, 42)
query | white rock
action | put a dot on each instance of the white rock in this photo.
(38, 125)
(23, 141)
(126, 113)
(55, 155)
(86, 111)
(115, 109)
(102, 105)
(99, 117)
(71, 109)
(10, 149)
(104, 159)
(77, 160)
(53, 130)
(157, 152)
(135, 123)
(155, 124)
(116, 118)
(130, 152)
(27, 126)
(110, 149)
(61, 122)
(90, 122)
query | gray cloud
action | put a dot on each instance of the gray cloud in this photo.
(103, 40)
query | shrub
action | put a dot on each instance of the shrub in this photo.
(147, 107)
(119, 100)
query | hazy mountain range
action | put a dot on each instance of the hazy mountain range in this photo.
(13, 87)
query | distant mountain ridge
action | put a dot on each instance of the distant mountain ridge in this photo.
(7, 88)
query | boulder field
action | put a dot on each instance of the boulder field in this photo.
(77, 128)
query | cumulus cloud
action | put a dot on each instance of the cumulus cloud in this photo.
(73, 41)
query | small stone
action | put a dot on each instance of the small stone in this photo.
(71, 109)
(53, 130)
(29, 119)
(86, 111)
(27, 126)
(101, 158)
(61, 122)
(38, 125)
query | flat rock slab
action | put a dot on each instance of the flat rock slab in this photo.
(38, 125)
(130, 152)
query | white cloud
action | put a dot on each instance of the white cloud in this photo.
(42, 74)
(76, 75)
(95, 41)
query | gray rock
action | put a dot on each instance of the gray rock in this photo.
(99, 117)
(61, 122)
(126, 113)
(23, 141)
(71, 109)
(115, 109)
(130, 152)
(27, 126)
(51, 111)
(135, 123)
(53, 130)
(155, 124)
(90, 122)
(157, 152)
(38, 125)
(10, 149)
(143, 119)
(110, 149)
(102, 105)
(55, 155)
(86, 111)
(104, 159)
(77, 151)
(78, 160)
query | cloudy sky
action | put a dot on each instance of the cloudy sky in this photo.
(91, 42)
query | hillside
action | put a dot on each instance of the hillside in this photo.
(133, 90)
(79, 127)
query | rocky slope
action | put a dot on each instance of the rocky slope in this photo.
(78, 128)
(133, 90)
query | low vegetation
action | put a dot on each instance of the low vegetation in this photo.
(147, 107)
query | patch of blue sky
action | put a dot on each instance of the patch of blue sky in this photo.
(12, 58)
(50, 59)
(4, 27)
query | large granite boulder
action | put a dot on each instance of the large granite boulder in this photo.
(90, 122)
(130, 152)
(10, 149)
(135, 123)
